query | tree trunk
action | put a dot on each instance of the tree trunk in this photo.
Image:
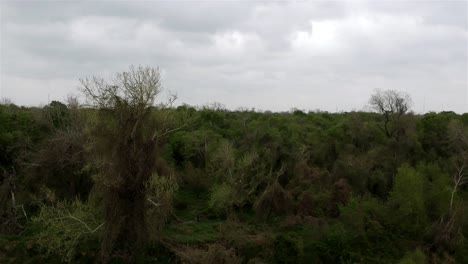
(125, 228)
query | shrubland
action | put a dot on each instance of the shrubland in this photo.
(126, 180)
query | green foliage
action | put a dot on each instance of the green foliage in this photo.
(437, 190)
(296, 187)
(219, 254)
(366, 221)
(365, 217)
(414, 257)
(221, 198)
(64, 228)
(193, 232)
(192, 147)
(57, 115)
(432, 132)
(160, 191)
(215, 253)
(407, 202)
(61, 164)
(275, 200)
(19, 129)
(285, 251)
(336, 246)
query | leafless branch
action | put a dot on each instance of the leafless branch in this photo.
(154, 203)
(70, 216)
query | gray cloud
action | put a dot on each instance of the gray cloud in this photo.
(267, 55)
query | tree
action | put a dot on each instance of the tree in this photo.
(406, 201)
(447, 232)
(57, 115)
(458, 138)
(125, 146)
(392, 105)
(59, 161)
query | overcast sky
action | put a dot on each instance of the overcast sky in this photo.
(268, 55)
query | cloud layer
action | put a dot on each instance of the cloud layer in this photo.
(267, 55)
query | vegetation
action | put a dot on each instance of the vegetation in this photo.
(121, 179)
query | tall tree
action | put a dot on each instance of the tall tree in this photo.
(392, 105)
(124, 141)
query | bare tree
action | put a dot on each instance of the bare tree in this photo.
(458, 139)
(459, 178)
(72, 102)
(392, 105)
(5, 101)
(447, 229)
(125, 144)
(10, 222)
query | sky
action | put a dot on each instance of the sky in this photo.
(267, 55)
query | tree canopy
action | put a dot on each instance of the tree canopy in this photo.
(125, 177)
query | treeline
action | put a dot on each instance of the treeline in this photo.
(232, 186)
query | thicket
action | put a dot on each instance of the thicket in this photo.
(233, 186)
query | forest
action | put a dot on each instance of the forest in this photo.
(123, 176)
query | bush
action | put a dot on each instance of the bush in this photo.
(285, 251)
(159, 194)
(216, 254)
(274, 200)
(64, 227)
(221, 198)
(414, 257)
(406, 203)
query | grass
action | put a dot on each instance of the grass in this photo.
(193, 232)
(190, 205)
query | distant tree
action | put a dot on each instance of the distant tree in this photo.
(59, 161)
(125, 144)
(392, 105)
(5, 101)
(56, 115)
